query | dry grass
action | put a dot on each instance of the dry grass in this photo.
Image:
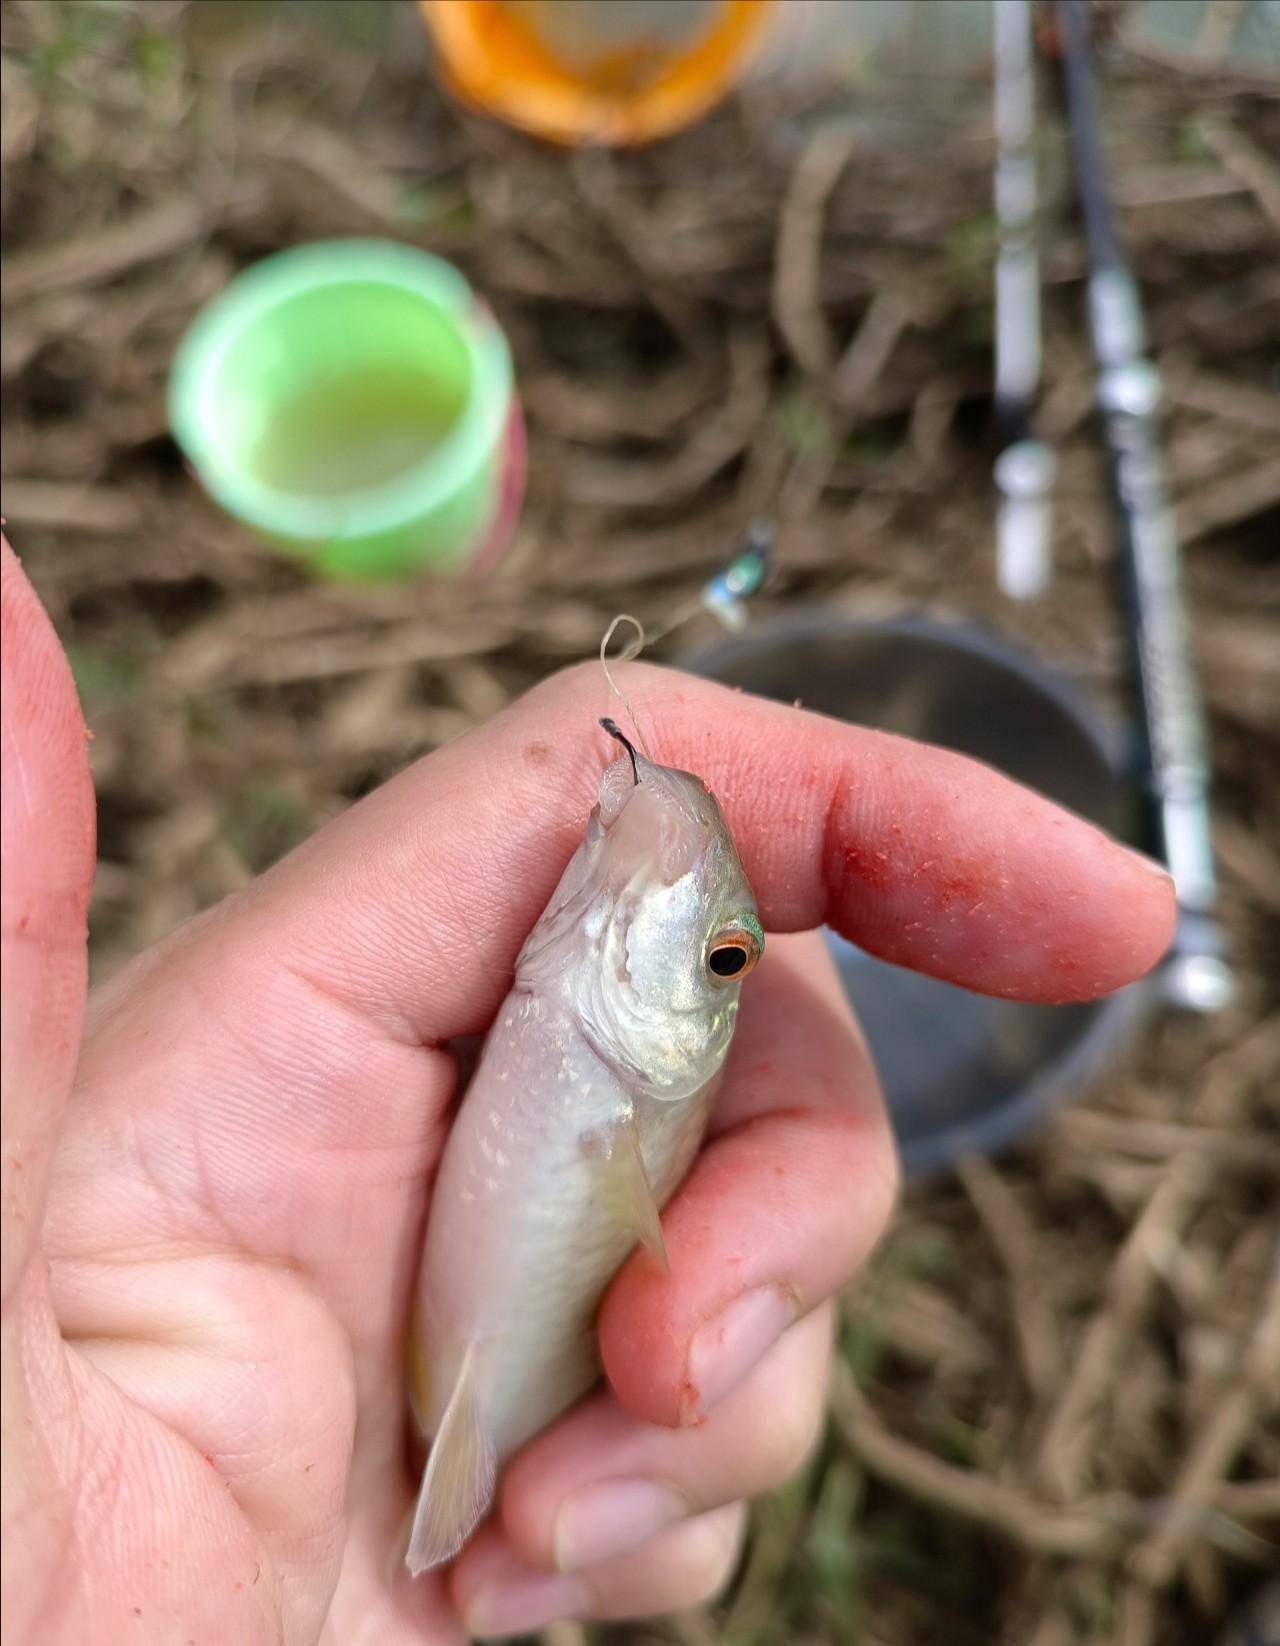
(1055, 1419)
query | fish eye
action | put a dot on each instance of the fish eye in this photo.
(732, 954)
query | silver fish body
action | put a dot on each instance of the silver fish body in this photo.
(585, 1111)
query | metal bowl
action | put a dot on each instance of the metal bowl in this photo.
(962, 1073)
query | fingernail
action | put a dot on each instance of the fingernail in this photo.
(731, 1343)
(612, 1518)
(517, 1605)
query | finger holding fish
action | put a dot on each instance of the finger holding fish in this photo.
(787, 1198)
(498, 1594)
(602, 1482)
(604, 1059)
(303, 1023)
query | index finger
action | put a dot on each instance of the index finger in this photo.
(414, 903)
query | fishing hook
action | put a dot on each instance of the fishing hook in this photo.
(614, 730)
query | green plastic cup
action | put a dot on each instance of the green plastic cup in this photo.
(353, 404)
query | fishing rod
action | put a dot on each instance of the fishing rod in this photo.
(1174, 764)
(1025, 469)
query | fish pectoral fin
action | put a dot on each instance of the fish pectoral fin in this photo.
(459, 1479)
(626, 1190)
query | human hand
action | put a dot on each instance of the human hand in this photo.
(215, 1183)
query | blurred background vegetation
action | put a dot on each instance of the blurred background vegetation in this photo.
(1055, 1411)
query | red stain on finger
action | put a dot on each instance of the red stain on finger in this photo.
(869, 865)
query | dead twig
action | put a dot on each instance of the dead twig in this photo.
(717, 442)
(1065, 1443)
(798, 257)
(1248, 857)
(869, 349)
(1213, 1450)
(1163, 185)
(19, 113)
(1237, 497)
(1095, 1132)
(1218, 29)
(1252, 1059)
(1246, 1500)
(1206, 57)
(1247, 163)
(59, 506)
(651, 409)
(1085, 1531)
(1223, 398)
(595, 174)
(216, 658)
(1137, 1617)
(776, 1530)
(1053, 1629)
(1014, 1239)
(319, 169)
(93, 256)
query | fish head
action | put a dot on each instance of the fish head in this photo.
(652, 931)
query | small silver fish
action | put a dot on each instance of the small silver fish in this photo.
(586, 1110)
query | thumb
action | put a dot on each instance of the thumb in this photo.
(47, 850)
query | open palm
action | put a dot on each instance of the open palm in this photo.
(216, 1181)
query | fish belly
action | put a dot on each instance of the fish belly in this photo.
(521, 1242)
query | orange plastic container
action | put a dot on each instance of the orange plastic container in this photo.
(595, 71)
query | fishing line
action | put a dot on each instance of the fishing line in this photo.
(725, 597)
(628, 654)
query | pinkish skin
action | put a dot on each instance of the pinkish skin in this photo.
(616, 1020)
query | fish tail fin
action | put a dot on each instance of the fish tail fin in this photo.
(459, 1479)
